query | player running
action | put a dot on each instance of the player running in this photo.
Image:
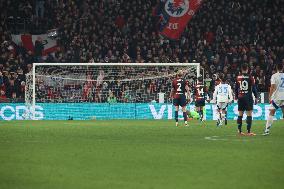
(200, 93)
(222, 96)
(179, 88)
(245, 86)
(276, 96)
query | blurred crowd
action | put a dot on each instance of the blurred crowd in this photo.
(102, 84)
(221, 36)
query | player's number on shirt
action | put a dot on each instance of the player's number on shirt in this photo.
(179, 87)
(223, 90)
(282, 82)
(243, 85)
(200, 91)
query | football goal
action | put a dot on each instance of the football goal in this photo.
(101, 90)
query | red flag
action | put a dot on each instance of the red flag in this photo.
(50, 45)
(175, 16)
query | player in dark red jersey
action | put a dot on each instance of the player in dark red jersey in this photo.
(245, 86)
(200, 93)
(179, 88)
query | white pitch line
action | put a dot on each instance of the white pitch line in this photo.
(217, 138)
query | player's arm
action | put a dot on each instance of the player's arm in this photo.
(237, 89)
(172, 92)
(215, 95)
(272, 88)
(206, 95)
(254, 90)
(230, 94)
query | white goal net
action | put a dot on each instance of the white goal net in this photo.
(101, 91)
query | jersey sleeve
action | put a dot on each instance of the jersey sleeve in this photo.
(273, 81)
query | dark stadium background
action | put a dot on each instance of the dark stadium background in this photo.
(222, 35)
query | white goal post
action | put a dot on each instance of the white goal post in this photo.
(69, 84)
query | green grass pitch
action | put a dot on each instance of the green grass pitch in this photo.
(143, 154)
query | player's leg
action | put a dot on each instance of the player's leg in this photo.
(272, 109)
(226, 114)
(183, 105)
(219, 122)
(202, 104)
(197, 105)
(223, 115)
(240, 116)
(269, 121)
(176, 104)
(202, 113)
(221, 107)
(249, 123)
(184, 115)
(176, 114)
(241, 109)
(219, 114)
(249, 116)
(240, 122)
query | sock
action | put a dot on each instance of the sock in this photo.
(218, 115)
(176, 116)
(201, 113)
(225, 116)
(249, 121)
(185, 116)
(269, 123)
(239, 122)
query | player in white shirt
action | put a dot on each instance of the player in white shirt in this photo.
(276, 96)
(222, 96)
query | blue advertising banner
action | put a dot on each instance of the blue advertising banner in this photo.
(101, 111)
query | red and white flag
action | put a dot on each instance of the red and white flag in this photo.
(175, 14)
(28, 41)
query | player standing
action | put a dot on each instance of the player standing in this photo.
(276, 96)
(245, 86)
(216, 81)
(200, 92)
(179, 88)
(222, 96)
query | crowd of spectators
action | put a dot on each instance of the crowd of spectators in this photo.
(221, 36)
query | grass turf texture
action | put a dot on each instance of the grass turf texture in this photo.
(138, 154)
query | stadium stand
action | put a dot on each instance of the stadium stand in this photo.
(221, 36)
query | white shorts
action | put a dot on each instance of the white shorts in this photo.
(275, 104)
(222, 105)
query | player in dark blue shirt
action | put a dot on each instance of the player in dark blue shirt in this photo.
(245, 86)
(179, 89)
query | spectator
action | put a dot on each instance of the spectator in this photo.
(39, 47)
(39, 8)
(111, 98)
(3, 97)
